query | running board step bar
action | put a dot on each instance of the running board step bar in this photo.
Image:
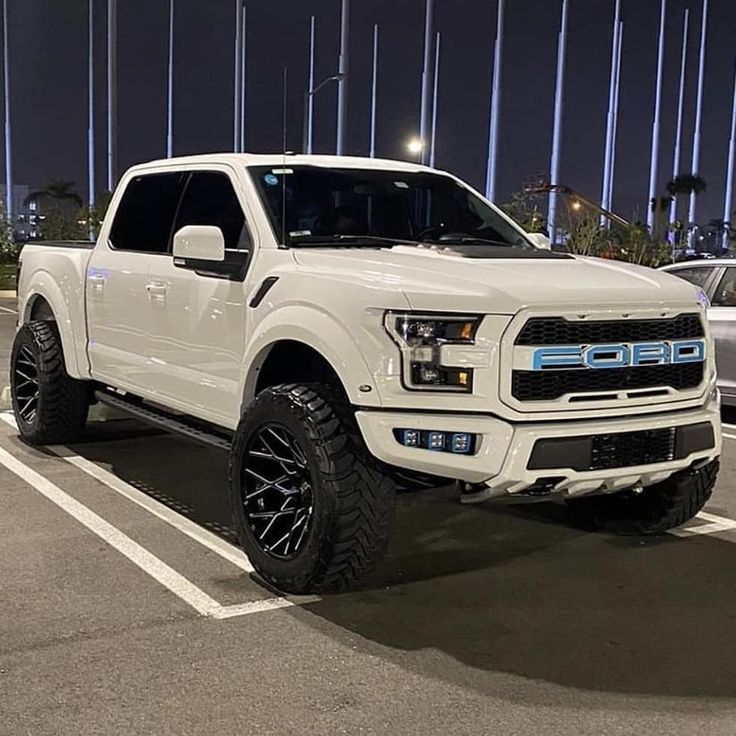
(169, 422)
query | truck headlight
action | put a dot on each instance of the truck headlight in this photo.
(420, 338)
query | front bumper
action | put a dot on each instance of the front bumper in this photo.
(503, 457)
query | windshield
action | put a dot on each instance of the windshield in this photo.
(313, 206)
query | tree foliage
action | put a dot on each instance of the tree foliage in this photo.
(524, 209)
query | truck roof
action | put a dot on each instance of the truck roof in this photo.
(280, 159)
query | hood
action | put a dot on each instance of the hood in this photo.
(448, 278)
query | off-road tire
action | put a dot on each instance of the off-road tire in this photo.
(352, 500)
(63, 402)
(654, 510)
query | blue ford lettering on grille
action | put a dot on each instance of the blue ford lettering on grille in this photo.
(619, 355)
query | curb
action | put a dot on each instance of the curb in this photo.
(8, 295)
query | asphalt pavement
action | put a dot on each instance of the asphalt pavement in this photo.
(126, 609)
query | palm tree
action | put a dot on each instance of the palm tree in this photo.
(59, 191)
(660, 206)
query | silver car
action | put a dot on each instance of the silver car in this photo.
(717, 277)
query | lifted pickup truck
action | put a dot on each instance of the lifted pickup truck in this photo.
(344, 325)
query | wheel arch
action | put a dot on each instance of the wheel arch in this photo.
(45, 302)
(283, 346)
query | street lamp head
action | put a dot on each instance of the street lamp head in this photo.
(415, 145)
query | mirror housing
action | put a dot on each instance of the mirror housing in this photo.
(540, 240)
(200, 243)
(201, 248)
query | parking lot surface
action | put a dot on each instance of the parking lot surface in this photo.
(125, 608)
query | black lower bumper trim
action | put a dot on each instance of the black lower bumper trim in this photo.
(621, 449)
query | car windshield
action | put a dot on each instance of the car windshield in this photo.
(312, 206)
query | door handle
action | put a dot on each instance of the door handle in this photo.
(156, 289)
(97, 281)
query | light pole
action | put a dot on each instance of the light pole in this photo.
(342, 69)
(309, 109)
(170, 87)
(112, 75)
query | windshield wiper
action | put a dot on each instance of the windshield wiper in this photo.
(347, 240)
(472, 240)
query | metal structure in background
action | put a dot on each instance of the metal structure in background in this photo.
(243, 49)
(424, 112)
(654, 162)
(374, 94)
(554, 166)
(540, 185)
(698, 114)
(608, 153)
(112, 84)
(238, 82)
(90, 118)
(310, 91)
(728, 201)
(616, 98)
(495, 103)
(435, 101)
(170, 87)
(680, 108)
(342, 70)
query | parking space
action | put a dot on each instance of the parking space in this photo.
(125, 608)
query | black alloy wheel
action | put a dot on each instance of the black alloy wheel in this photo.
(278, 500)
(25, 381)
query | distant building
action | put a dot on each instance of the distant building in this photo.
(25, 226)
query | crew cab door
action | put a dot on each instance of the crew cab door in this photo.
(197, 332)
(119, 302)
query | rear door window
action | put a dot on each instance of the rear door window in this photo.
(145, 215)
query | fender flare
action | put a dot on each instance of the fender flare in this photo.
(321, 332)
(44, 286)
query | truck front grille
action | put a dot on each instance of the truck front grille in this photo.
(559, 331)
(549, 385)
(552, 383)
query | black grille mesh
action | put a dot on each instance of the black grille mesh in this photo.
(559, 331)
(632, 448)
(549, 385)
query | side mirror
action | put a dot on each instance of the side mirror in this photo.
(199, 243)
(540, 240)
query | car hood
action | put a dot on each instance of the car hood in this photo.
(460, 279)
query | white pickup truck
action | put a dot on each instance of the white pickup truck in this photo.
(342, 326)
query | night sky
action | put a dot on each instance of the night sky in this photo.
(49, 85)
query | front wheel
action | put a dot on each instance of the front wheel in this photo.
(311, 506)
(50, 407)
(652, 510)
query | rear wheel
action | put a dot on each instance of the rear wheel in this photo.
(312, 509)
(50, 407)
(653, 510)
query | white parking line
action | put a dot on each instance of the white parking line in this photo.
(7, 310)
(149, 563)
(186, 526)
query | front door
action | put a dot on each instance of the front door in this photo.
(198, 325)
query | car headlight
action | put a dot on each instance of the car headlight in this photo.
(421, 337)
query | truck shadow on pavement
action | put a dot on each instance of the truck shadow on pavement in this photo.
(498, 589)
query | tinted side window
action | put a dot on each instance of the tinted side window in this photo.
(210, 199)
(146, 212)
(725, 295)
(697, 275)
